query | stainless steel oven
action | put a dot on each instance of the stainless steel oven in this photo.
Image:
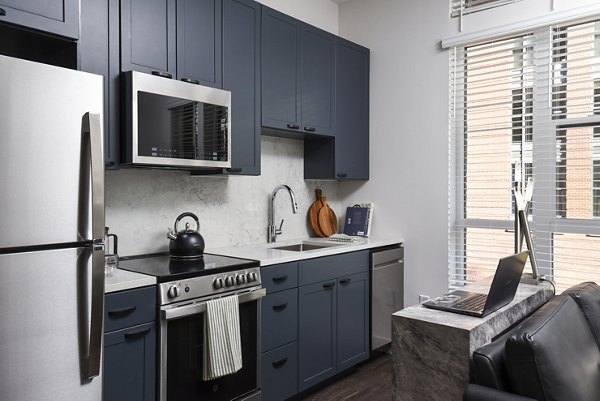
(182, 334)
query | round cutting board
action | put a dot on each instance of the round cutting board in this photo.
(313, 214)
(327, 219)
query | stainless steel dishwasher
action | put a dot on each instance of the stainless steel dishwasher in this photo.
(387, 292)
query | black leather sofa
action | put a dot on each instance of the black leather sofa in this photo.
(552, 355)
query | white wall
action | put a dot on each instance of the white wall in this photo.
(320, 13)
(409, 121)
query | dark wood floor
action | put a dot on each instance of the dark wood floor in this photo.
(370, 381)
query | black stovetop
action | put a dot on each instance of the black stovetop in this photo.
(165, 268)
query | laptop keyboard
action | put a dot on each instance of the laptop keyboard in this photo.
(473, 303)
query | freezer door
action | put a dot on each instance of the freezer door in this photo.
(45, 326)
(45, 157)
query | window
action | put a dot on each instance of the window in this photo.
(532, 101)
(463, 7)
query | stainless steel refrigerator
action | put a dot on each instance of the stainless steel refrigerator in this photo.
(51, 233)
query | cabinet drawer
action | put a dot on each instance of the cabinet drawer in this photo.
(280, 373)
(280, 277)
(129, 308)
(279, 319)
(330, 267)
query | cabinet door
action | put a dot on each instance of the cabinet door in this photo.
(148, 36)
(241, 76)
(281, 42)
(352, 320)
(130, 364)
(316, 333)
(199, 42)
(318, 81)
(59, 17)
(98, 48)
(352, 111)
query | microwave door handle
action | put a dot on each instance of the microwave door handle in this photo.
(195, 309)
(92, 131)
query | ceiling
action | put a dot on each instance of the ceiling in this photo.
(340, 1)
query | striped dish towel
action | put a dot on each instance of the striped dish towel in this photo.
(222, 343)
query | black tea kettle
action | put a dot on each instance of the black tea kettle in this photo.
(186, 244)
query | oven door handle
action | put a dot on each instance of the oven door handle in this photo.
(194, 309)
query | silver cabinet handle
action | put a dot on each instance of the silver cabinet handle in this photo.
(194, 309)
(92, 129)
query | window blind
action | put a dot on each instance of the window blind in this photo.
(493, 131)
(532, 101)
(463, 7)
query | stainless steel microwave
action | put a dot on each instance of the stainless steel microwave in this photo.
(174, 124)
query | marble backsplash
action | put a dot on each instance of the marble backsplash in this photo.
(141, 204)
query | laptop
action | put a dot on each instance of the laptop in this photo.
(502, 291)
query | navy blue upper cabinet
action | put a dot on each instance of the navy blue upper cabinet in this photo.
(318, 81)
(199, 42)
(241, 76)
(148, 32)
(58, 17)
(281, 42)
(98, 48)
(298, 71)
(347, 156)
(352, 108)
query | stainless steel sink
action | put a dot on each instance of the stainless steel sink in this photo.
(303, 246)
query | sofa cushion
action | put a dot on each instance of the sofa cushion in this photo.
(553, 355)
(587, 296)
(488, 364)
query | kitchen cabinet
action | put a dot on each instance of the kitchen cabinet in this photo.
(347, 156)
(352, 320)
(333, 310)
(281, 35)
(148, 36)
(316, 316)
(317, 333)
(298, 63)
(57, 17)
(241, 76)
(279, 328)
(318, 81)
(130, 345)
(98, 49)
(199, 41)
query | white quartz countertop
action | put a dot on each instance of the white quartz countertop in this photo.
(126, 280)
(269, 256)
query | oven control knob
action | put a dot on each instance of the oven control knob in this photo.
(218, 283)
(251, 277)
(173, 291)
(229, 281)
(241, 279)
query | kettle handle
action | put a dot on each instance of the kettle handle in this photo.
(187, 214)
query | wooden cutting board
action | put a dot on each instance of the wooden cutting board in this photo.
(313, 214)
(327, 219)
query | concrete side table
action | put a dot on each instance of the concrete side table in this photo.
(431, 349)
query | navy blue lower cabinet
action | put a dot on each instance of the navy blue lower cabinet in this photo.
(130, 364)
(352, 320)
(279, 319)
(279, 372)
(316, 333)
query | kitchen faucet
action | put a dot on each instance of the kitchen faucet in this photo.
(273, 231)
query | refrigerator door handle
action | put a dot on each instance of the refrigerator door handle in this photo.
(93, 130)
